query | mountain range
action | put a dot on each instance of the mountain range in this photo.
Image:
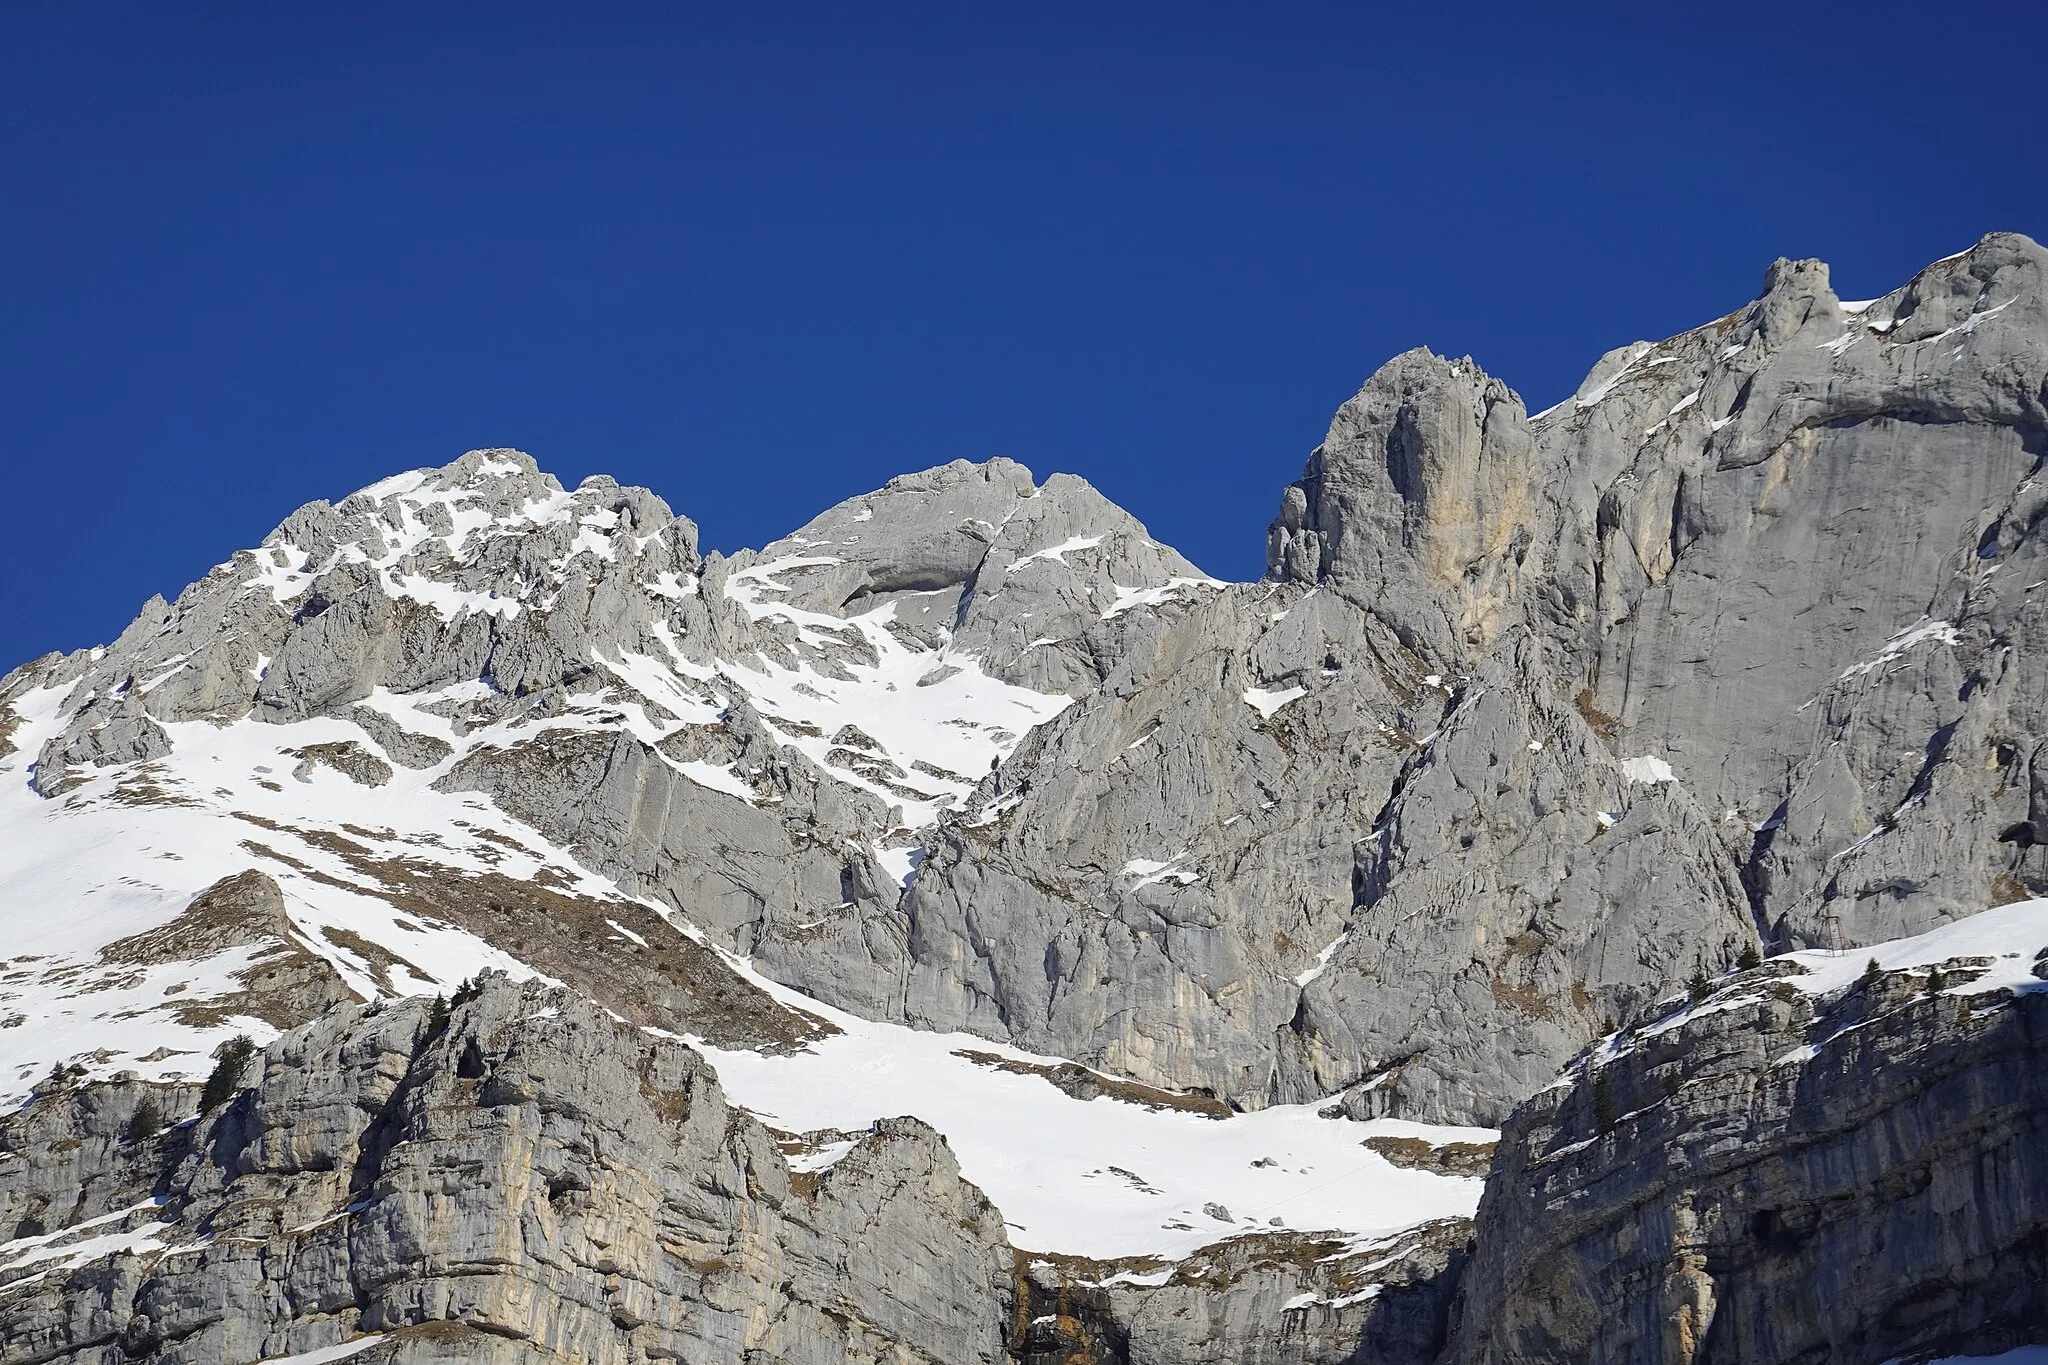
(1585, 903)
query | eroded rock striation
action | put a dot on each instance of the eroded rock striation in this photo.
(1854, 1171)
(534, 1182)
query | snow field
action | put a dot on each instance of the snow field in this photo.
(1099, 1178)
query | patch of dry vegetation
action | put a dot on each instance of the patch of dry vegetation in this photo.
(670, 982)
(1085, 1084)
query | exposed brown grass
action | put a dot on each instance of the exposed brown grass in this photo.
(284, 986)
(2009, 890)
(150, 785)
(1604, 725)
(346, 757)
(1449, 1158)
(1085, 1084)
(673, 983)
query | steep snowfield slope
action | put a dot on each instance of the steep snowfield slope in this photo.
(1103, 1178)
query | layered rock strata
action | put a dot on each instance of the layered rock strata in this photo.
(1769, 1175)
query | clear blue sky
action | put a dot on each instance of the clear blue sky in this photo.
(761, 257)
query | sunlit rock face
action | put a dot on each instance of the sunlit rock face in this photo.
(1533, 719)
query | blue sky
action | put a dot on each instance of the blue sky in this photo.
(763, 257)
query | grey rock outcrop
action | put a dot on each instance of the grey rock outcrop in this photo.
(1420, 501)
(1658, 702)
(1522, 894)
(1811, 558)
(1257, 1299)
(1772, 1176)
(535, 1182)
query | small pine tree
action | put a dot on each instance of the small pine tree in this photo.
(1697, 987)
(437, 1020)
(1870, 974)
(230, 1061)
(1751, 958)
(1603, 1101)
(1937, 981)
(147, 1120)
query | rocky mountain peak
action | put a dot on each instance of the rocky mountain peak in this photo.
(1794, 292)
(1421, 486)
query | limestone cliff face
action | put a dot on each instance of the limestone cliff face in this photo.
(1285, 1299)
(1807, 579)
(1424, 481)
(1770, 1175)
(534, 1183)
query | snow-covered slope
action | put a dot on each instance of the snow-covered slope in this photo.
(1148, 1175)
(1996, 955)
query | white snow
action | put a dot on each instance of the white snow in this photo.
(1323, 958)
(1057, 553)
(672, 585)
(626, 933)
(1266, 701)
(1127, 598)
(117, 868)
(326, 1355)
(1842, 342)
(66, 1249)
(1583, 401)
(445, 599)
(1942, 632)
(962, 723)
(1682, 404)
(1150, 870)
(2011, 935)
(1056, 1166)
(719, 779)
(1970, 323)
(900, 861)
(1649, 770)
